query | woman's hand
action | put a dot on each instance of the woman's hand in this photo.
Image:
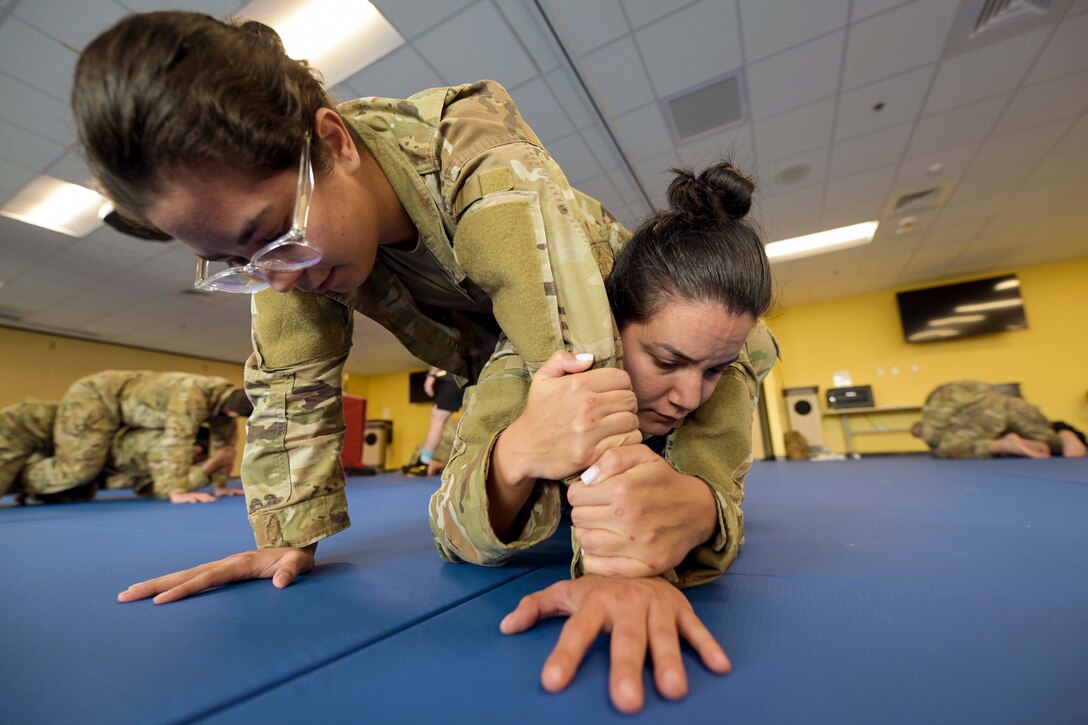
(282, 565)
(640, 614)
(639, 516)
(569, 419)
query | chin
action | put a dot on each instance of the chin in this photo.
(653, 427)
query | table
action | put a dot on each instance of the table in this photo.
(844, 415)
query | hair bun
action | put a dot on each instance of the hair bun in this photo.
(720, 190)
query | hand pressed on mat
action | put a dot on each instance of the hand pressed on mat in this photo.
(282, 565)
(640, 614)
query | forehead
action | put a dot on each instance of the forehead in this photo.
(210, 209)
(701, 331)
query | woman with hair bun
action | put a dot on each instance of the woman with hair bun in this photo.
(441, 216)
(687, 294)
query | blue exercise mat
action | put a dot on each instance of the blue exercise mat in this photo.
(888, 597)
(72, 653)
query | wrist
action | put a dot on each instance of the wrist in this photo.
(707, 522)
(507, 466)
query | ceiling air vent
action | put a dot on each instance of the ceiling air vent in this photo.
(985, 22)
(917, 200)
(998, 13)
(705, 107)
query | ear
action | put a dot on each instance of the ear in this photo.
(330, 128)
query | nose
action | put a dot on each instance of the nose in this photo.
(686, 393)
(282, 281)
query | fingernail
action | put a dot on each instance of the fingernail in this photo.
(628, 691)
(590, 476)
(585, 356)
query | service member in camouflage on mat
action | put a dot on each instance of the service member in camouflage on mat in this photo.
(442, 217)
(972, 419)
(26, 436)
(97, 407)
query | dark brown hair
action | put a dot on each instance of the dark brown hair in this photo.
(703, 248)
(167, 94)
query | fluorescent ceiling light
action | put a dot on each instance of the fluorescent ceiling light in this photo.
(1007, 284)
(983, 306)
(932, 335)
(337, 37)
(57, 205)
(958, 320)
(831, 240)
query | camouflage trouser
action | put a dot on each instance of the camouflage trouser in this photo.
(26, 432)
(82, 436)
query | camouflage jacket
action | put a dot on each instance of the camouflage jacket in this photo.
(960, 419)
(175, 404)
(136, 454)
(519, 251)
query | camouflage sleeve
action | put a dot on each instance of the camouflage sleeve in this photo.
(961, 443)
(291, 468)
(715, 444)
(459, 509)
(194, 479)
(186, 409)
(220, 435)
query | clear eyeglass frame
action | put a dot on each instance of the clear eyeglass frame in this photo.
(288, 253)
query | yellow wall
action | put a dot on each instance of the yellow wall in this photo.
(862, 334)
(37, 365)
(387, 398)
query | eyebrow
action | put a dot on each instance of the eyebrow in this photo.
(673, 351)
(251, 227)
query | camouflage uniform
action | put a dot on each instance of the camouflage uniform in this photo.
(26, 436)
(26, 432)
(504, 244)
(960, 419)
(98, 406)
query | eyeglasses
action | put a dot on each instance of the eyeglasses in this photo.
(289, 253)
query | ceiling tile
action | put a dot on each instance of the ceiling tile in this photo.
(217, 8)
(72, 168)
(872, 186)
(571, 98)
(73, 23)
(790, 133)
(733, 144)
(588, 25)
(656, 176)
(603, 148)
(574, 158)
(1066, 52)
(792, 213)
(642, 12)
(914, 172)
(958, 127)
(774, 25)
(617, 78)
(864, 8)
(538, 106)
(1047, 101)
(985, 72)
(870, 151)
(643, 133)
(814, 159)
(14, 177)
(881, 46)
(795, 77)
(36, 59)
(710, 46)
(412, 18)
(970, 211)
(1020, 148)
(476, 45)
(34, 111)
(399, 74)
(26, 149)
(1076, 137)
(533, 34)
(900, 98)
(982, 186)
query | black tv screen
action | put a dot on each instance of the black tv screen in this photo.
(960, 310)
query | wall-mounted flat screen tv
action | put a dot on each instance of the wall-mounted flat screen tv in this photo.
(960, 310)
